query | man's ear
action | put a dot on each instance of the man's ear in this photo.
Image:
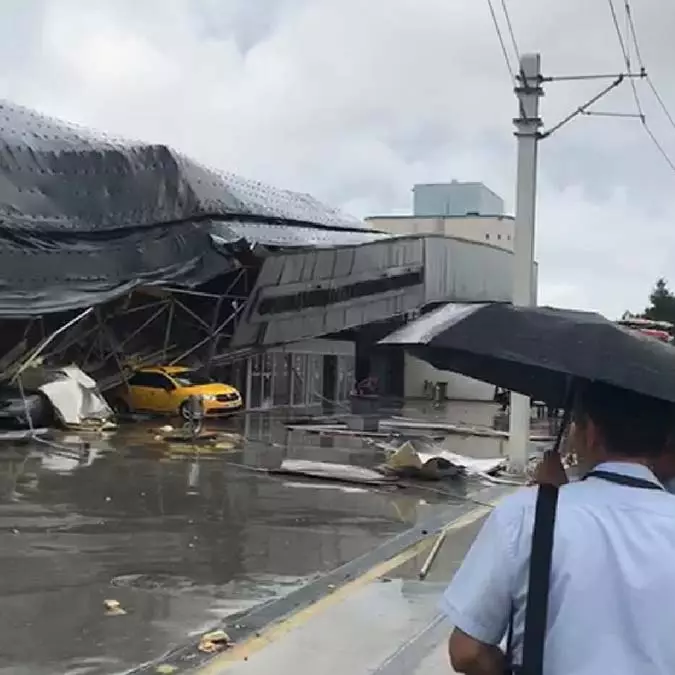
(592, 438)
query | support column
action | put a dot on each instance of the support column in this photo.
(528, 91)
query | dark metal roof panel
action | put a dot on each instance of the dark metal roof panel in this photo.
(58, 177)
(287, 235)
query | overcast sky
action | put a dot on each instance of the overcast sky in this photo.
(355, 101)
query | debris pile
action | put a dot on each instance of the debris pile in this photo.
(424, 459)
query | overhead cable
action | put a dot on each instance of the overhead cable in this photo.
(509, 26)
(500, 37)
(631, 33)
(626, 55)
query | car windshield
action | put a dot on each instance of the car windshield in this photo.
(191, 378)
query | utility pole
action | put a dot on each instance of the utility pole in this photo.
(528, 92)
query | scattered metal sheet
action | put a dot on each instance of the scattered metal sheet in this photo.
(21, 434)
(399, 423)
(431, 461)
(407, 462)
(343, 473)
(336, 430)
(75, 397)
(471, 465)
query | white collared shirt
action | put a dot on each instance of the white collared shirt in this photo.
(612, 595)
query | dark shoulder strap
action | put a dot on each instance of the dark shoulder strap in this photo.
(540, 576)
(620, 479)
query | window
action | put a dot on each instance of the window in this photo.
(191, 378)
(487, 236)
(323, 297)
(140, 380)
(499, 236)
(150, 380)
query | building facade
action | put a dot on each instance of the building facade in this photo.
(460, 211)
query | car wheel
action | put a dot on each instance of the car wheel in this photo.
(184, 410)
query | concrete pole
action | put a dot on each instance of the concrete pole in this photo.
(527, 124)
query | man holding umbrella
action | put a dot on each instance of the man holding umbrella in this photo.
(612, 560)
(580, 579)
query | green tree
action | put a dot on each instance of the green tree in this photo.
(661, 303)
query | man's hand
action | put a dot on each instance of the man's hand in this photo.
(550, 471)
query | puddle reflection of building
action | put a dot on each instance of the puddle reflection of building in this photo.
(17, 471)
(156, 502)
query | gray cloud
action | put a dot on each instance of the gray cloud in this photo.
(357, 101)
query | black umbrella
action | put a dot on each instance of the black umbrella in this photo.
(538, 351)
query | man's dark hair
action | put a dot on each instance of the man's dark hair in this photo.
(632, 425)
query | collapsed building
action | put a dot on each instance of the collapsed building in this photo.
(116, 255)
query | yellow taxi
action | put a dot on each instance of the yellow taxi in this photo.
(166, 389)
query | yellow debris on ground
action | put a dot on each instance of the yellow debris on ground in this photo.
(405, 457)
(214, 642)
(113, 608)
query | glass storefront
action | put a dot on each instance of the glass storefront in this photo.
(346, 373)
(281, 379)
(307, 379)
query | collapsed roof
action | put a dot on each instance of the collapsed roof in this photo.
(85, 218)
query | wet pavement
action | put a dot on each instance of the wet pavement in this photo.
(180, 541)
(389, 625)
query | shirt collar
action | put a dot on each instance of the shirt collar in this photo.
(629, 469)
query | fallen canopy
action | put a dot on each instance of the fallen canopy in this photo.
(85, 218)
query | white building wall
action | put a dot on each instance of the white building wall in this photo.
(493, 230)
(459, 386)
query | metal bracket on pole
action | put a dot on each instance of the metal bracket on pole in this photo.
(529, 91)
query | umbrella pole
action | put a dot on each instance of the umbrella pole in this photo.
(528, 91)
(567, 416)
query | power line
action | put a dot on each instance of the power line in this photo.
(626, 55)
(662, 103)
(638, 53)
(509, 25)
(631, 33)
(658, 145)
(501, 39)
(619, 34)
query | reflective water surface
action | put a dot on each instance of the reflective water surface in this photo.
(179, 538)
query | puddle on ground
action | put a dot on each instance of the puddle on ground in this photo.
(256, 588)
(179, 543)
